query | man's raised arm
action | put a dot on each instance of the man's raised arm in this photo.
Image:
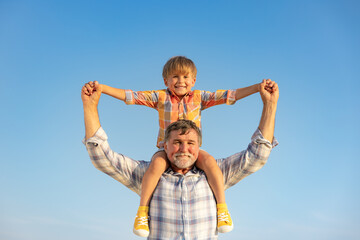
(123, 169)
(269, 93)
(90, 95)
(242, 164)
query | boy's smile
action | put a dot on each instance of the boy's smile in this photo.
(180, 84)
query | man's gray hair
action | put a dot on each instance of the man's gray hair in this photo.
(184, 126)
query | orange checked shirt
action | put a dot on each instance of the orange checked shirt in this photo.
(171, 108)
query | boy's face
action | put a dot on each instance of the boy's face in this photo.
(180, 83)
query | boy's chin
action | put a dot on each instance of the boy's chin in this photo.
(180, 93)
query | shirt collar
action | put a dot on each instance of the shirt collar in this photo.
(193, 171)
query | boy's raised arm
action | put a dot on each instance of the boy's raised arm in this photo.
(113, 92)
(246, 91)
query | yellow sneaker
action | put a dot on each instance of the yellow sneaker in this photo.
(224, 221)
(141, 224)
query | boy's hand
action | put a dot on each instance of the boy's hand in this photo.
(91, 92)
(269, 91)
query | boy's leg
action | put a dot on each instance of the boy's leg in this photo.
(157, 167)
(208, 164)
(151, 177)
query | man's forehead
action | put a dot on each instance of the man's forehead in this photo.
(190, 134)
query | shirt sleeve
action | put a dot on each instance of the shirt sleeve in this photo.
(210, 99)
(242, 164)
(122, 168)
(144, 98)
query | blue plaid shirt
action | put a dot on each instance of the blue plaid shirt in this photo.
(182, 206)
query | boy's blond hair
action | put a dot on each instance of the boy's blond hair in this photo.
(179, 64)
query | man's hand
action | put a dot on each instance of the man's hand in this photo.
(90, 93)
(269, 91)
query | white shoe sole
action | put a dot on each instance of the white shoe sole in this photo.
(141, 232)
(225, 229)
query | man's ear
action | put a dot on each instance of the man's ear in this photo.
(165, 147)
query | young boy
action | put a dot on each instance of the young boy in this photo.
(176, 102)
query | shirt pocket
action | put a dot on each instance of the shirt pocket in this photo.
(192, 111)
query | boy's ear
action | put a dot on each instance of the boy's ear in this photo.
(165, 82)
(194, 80)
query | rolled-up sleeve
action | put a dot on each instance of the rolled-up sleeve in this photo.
(210, 99)
(144, 98)
(242, 164)
(122, 168)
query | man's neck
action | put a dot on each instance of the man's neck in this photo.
(182, 171)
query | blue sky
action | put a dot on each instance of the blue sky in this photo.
(309, 189)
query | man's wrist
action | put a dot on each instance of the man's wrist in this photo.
(270, 105)
(90, 107)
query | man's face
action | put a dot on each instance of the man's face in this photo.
(179, 83)
(182, 150)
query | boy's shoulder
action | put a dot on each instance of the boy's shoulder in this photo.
(198, 92)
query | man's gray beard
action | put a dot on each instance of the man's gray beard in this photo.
(182, 164)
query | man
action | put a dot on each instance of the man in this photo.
(183, 205)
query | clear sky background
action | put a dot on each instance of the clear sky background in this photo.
(309, 189)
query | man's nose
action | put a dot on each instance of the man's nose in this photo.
(183, 148)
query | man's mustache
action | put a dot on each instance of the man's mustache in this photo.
(183, 155)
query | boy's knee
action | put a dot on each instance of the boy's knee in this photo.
(205, 160)
(204, 156)
(159, 159)
(159, 155)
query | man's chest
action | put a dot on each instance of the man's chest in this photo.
(183, 206)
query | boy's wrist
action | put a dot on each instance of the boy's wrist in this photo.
(103, 88)
(258, 87)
